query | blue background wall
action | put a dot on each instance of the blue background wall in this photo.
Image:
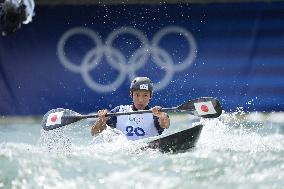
(238, 57)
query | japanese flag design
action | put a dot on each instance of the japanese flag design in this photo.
(54, 118)
(204, 108)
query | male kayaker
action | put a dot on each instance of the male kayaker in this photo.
(135, 126)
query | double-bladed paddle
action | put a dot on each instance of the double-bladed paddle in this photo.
(206, 107)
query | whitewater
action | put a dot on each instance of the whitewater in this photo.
(237, 150)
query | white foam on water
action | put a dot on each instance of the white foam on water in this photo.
(232, 152)
(55, 141)
(232, 133)
(239, 153)
(109, 141)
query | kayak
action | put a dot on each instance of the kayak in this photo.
(177, 142)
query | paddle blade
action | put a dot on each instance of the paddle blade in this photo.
(206, 107)
(59, 117)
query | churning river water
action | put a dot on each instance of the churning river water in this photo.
(236, 150)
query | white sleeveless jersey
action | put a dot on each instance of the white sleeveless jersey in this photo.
(136, 126)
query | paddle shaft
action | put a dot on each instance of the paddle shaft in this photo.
(127, 113)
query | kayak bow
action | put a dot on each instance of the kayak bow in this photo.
(177, 142)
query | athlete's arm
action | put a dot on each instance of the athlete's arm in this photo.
(164, 119)
(100, 124)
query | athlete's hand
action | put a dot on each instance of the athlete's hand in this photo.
(102, 114)
(156, 112)
(100, 124)
(163, 117)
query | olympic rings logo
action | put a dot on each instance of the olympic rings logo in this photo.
(118, 61)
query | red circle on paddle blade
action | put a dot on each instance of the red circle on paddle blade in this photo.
(54, 118)
(204, 108)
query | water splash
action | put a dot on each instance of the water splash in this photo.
(235, 132)
(55, 141)
(233, 152)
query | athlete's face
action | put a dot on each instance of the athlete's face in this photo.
(141, 99)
